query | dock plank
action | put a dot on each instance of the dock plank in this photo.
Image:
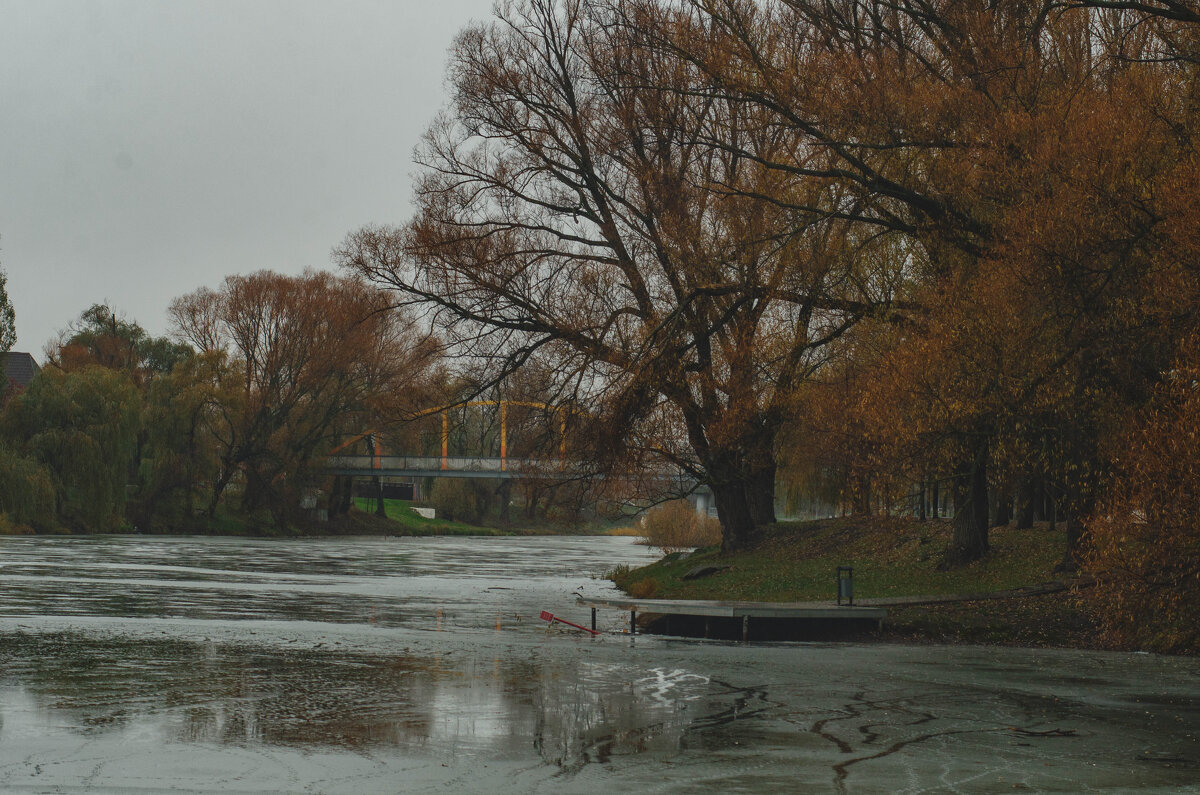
(731, 609)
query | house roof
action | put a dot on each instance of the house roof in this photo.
(19, 368)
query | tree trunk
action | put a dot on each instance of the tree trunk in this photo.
(253, 497)
(377, 485)
(1079, 505)
(921, 501)
(970, 509)
(762, 496)
(935, 499)
(341, 495)
(189, 475)
(334, 504)
(1073, 554)
(1001, 513)
(738, 528)
(860, 494)
(742, 478)
(505, 494)
(532, 496)
(1025, 502)
(1038, 497)
(218, 489)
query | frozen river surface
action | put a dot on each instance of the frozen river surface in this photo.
(411, 665)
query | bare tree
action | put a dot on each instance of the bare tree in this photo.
(587, 196)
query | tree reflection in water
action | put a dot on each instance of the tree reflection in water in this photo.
(576, 712)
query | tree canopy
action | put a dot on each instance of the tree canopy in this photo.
(589, 202)
(82, 427)
(297, 361)
(8, 316)
(696, 213)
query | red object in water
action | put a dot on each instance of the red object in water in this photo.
(546, 616)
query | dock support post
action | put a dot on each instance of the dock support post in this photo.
(745, 628)
(707, 628)
(593, 619)
(632, 622)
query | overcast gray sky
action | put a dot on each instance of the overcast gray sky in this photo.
(149, 148)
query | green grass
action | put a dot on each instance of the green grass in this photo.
(412, 523)
(227, 523)
(891, 557)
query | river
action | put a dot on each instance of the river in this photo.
(413, 665)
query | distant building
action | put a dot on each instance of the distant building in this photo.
(19, 370)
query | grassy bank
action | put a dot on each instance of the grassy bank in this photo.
(403, 520)
(797, 561)
(399, 520)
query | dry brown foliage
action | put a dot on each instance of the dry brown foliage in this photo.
(675, 526)
(1146, 541)
(645, 588)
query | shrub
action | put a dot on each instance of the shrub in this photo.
(619, 571)
(675, 526)
(644, 589)
(10, 528)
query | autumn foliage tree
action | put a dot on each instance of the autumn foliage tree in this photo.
(586, 195)
(101, 336)
(703, 208)
(308, 358)
(1028, 154)
(1146, 536)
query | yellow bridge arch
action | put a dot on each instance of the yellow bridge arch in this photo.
(445, 412)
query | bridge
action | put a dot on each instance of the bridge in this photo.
(446, 466)
(416, 466)
(502, 467)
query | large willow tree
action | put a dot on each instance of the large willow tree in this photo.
(80, 430)
(588, 201)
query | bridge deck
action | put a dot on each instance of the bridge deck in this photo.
(388, 466)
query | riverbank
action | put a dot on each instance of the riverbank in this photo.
(891, 559)
(399, 520)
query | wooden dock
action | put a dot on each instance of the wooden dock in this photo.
(725, 610)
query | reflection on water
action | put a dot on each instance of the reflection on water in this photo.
(377, 665)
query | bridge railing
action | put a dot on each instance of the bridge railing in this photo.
(432, 463)
(488, 467)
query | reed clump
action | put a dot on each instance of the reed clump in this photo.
(675, 526)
